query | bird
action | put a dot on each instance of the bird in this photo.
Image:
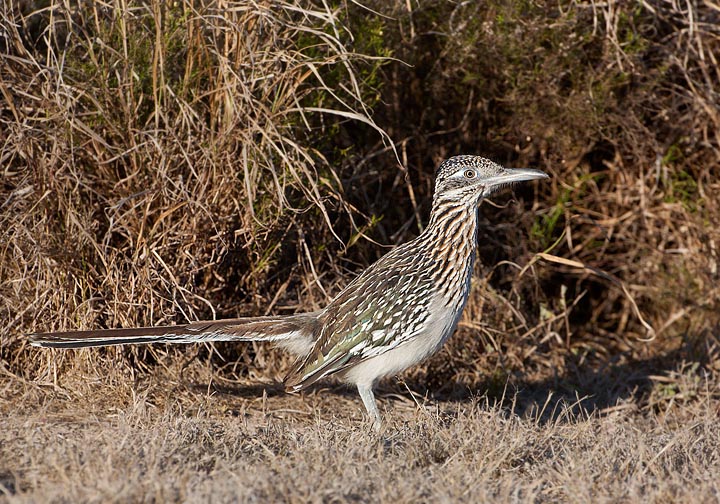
(393, 315)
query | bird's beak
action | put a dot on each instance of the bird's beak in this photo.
(513, 175)
(510, 176)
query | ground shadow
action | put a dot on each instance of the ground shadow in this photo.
(578, 390)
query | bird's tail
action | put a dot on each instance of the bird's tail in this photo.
(295, 333)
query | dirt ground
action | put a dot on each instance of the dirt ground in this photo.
(181, 435)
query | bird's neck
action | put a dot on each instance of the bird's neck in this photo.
(451, 240)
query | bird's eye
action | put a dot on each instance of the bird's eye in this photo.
(469, 174)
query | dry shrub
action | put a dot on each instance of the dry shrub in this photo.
(160, 162)
(168, 162)
(618, 101)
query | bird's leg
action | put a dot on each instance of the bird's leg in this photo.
(368, 399)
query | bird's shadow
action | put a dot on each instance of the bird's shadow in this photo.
(245, 391)
(269, 390)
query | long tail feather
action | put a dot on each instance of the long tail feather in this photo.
(294, 332)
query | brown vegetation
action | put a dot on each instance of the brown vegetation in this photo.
(173, 161)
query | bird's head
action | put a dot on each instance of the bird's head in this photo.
(468, 179)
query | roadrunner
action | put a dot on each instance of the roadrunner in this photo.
(393, 315)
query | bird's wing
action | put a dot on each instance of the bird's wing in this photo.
(381, 309)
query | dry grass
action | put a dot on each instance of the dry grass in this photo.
(157, 440)
(172, 161)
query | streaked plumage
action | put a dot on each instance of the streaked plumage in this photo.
(393, 315)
